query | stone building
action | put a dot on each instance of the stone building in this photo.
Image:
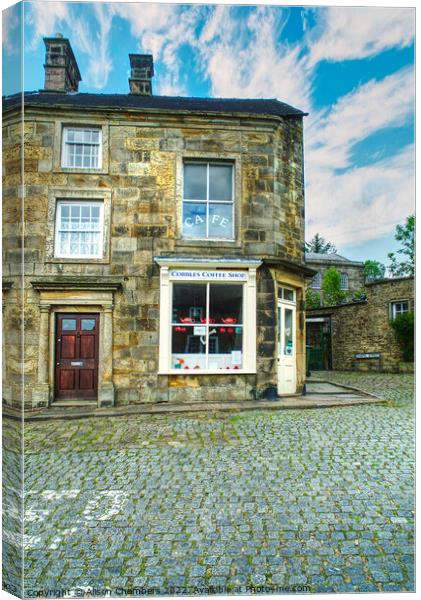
(162, 244)
(352, 272)
(358, 335)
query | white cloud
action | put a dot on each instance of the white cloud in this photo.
(371, 107)
(358, 32)
(364, 203)
(11, 20)
(96, 45)
(247, 60)
(46, 19)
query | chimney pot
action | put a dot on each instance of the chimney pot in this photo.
(61, 70)
(141, 74)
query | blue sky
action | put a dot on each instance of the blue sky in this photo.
(351, 68)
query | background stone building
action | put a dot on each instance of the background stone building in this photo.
(162, 244)
(352, 272)
(358, 335)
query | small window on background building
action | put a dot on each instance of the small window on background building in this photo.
(399, 308)
(79, 229)
(344, 281)
(82, 148)
(208, 201)
(316, 282)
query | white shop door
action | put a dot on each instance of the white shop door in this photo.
(286, 349)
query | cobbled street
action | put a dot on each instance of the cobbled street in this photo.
(320, 498)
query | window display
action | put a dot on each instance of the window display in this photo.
(207, 327)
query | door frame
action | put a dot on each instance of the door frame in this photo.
(55, 357)
(281, 305)
(80, 298)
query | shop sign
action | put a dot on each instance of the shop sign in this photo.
(193, 275)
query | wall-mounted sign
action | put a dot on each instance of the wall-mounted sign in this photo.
(204, 275)
(368, 355)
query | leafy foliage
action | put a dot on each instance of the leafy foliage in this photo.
(358, 295)
(404, 332)
(373, 269)
(320, 245)
(406, 235)
(331, 288)
(313, 299)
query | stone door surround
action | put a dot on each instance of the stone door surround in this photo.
(65, 294)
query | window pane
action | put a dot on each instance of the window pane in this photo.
(288, 294)
(220, 182)
(189, 303)
(194, 220)
(288, 349)
(68, 324)
(88, 324)
(226, 304)
(226, 349)
(195, 182)
(220, 221)
(188, 349)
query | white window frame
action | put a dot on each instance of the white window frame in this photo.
(281, 294)
(65, 145)
(73, 202)
(316, 285)
(344, 281)
(207, 201)
(165, 328)
(396, 313)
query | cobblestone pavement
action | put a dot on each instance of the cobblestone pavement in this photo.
(320, 498)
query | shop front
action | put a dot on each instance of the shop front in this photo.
(227, 330)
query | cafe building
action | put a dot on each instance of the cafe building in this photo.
(164, 245)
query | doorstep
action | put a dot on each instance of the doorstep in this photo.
(285, 403)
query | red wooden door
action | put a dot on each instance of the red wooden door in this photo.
(77, 343)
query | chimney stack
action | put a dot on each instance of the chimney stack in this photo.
(140, 81)
(61, 70)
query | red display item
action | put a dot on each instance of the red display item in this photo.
(186, 320)
(183, 329)
(229, 320)
(210, 320)
(222, 330)
(187, 367)
(230, 330)
(236, 367)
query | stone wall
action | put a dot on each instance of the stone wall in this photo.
(142, 176)
(364, 327)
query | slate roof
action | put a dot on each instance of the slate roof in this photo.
(332, 257)
(164, 103)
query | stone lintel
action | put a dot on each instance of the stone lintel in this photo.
(100, 284)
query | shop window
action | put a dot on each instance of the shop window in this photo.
(82, 148)
(344, 281)
(207, 326)
(399, 308)
(79, 229)
(208, 201)
(316, 282)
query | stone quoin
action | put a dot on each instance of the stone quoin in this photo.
(162, 244)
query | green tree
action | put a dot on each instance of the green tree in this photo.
(404, 332)
(373, 269)
(313, 299)
(331, 288)
(320, 245)
(406, 235)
